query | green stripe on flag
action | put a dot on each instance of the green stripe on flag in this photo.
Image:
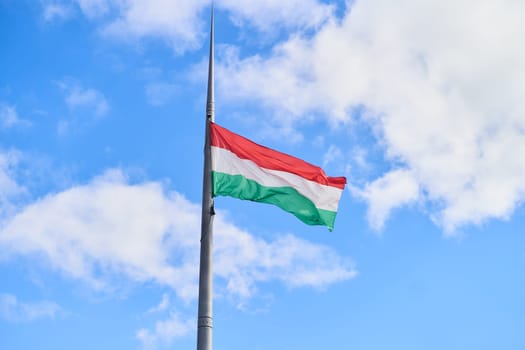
(286, 198)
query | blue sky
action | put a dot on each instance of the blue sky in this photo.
(417, 103)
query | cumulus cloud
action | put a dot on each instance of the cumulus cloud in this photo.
(82, 230)
(110, 228)
(14, 310)
(177, 22)
(182, 23)
(109, 233)
(442, 90)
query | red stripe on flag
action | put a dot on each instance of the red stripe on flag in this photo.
(269, 158)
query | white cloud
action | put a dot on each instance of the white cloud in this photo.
(109, 232)
(176, 22)
(165, 331)
(162, 306)
(269, 14)
(79, 97)
(9, 117)
(442, 90)
(110, 228)
(56, 11)
(160, 93)
(94, 8)
(83, 229)
(333, 154)
(13, 310)
(394, 189)
(9, 186)
(243, 260)
(182, 23)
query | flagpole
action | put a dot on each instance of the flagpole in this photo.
(205, 320)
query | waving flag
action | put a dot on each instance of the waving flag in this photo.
(246, 170)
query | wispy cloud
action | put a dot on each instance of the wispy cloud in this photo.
(160, 93)
(271, 14)
(170, 326)
(9, 117)
(10, 188)
(165, 331)
(95, 8)
(14, 310)
(162, 306)
(78, 97)
(56, 11)
(427, 81)
(88, 105)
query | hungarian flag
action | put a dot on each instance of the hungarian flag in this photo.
(245, 170)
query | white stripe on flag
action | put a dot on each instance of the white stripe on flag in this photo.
(323, 197)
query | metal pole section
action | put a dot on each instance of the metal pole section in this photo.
(205, 320)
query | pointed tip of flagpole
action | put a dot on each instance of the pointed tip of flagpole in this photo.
(210, 102)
